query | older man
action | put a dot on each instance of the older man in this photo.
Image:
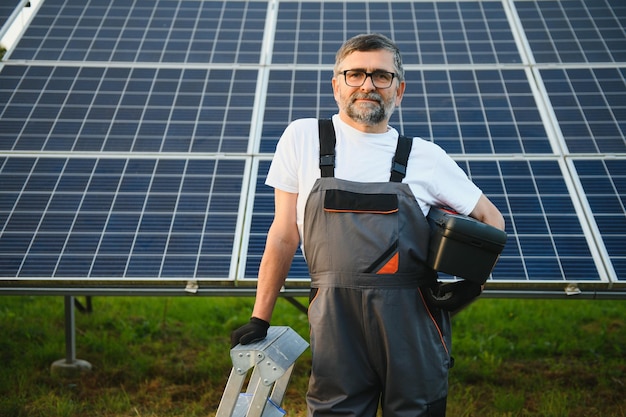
(375, 340)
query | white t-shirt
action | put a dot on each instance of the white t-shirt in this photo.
(434, 177)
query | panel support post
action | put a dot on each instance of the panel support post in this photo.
(70, 367)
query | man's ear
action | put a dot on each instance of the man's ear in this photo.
(400, 92)
(335, 88)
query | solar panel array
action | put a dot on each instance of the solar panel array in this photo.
(135, 136)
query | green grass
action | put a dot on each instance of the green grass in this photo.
(169, 357)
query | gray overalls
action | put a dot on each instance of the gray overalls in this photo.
(372, 336)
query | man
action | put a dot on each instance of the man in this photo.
(374, 338)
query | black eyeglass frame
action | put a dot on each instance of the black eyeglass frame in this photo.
(371, 75)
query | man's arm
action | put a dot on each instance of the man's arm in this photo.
(281, 244)
(487, 212)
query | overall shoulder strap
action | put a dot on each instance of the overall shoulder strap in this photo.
(327, 152)
(327, 147)
(401, 158)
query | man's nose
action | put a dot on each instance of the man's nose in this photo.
(368, 85)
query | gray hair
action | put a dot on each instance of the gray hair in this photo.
(370, 42)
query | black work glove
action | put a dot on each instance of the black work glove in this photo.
(452, 296)
(253, 331)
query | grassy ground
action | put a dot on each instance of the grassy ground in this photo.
(169, 357)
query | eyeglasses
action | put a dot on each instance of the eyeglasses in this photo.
(380, 79)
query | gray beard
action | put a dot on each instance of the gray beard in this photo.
(369, 116)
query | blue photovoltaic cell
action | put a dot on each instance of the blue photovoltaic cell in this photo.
(426, 32)
(114, 109)
(464, 111)
(187, 31)
(590, 106)
(575, 30)
(545, 237)
(118, 218)
(604, 183)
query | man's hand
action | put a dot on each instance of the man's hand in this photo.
(452, 296)
(253, 331)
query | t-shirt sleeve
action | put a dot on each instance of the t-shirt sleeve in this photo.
(283, 171)
(452, 187)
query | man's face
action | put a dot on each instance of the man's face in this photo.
(367, 107)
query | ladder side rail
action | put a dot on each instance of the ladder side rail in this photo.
(259, 400)
(231, 394)
(280, 386)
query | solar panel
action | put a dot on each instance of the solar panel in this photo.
(604, 184)
(546, 240)
(427, 32)
(574, 31)
(124, 109)
(465, 111)
(187, 31)
(590, 107)
(119, 218)
(135, 136)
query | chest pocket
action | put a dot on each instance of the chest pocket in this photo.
(365, 227)
(342, 201)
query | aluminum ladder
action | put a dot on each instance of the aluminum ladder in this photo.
(271, 360)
